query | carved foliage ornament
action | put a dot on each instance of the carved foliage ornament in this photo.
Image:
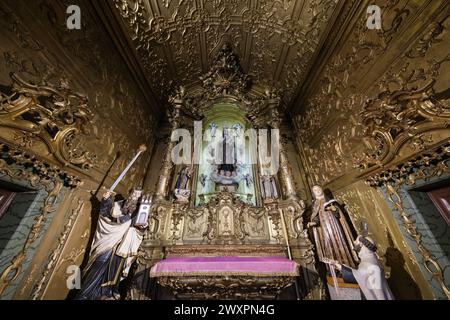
(32, 169)
(56, 254)
(224, 224)
(226, 81)
(225, 74)
(425, 166)
(395, 117)
(226, 287)
(55, 115)
(403, 106)
(192, 30)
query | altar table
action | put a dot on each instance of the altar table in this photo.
(225, 265)
(225, 277)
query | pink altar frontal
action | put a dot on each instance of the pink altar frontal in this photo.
(224, 265)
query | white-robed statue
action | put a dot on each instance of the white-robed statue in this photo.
(268, 187)
(369, 274)
(114, 248)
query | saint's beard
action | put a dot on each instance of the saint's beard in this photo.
(130, 205)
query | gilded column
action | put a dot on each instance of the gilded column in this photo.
(285, 170)
(167, 166)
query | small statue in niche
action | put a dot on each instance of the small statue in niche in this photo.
(332, 234)
(182, 195)
(213, 129)
(369, 274)
(114, 248)
(202, 180)
(268, 187)
(237, 129)
(181, 191)
(183, 178)
(248, 180)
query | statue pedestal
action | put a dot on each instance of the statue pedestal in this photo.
(347, 291)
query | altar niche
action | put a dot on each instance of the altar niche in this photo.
(227, 163)
(216, 209)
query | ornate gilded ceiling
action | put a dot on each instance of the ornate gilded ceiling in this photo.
(176, 40)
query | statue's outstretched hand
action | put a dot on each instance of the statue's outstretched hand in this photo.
(337, 265)
(143, 227)
(107, 194)
(311, 224)
(333, 263)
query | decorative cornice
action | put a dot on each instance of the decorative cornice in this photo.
(433, 163)
(35, 170)
(395, 118)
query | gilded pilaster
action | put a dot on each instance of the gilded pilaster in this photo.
(287, 180)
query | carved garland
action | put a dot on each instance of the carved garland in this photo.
(38, 172)
(426, 166)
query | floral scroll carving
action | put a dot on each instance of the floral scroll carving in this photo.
(55, 115)
(396, 117)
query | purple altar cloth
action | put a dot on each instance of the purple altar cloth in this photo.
(224, 265)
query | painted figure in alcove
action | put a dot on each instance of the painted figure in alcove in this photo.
(183, 178)
(114, 248)
(181, 191)
(332, 234)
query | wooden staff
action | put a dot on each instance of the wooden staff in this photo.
(335, 282)
(141, 149)
(286, 237)
(331, 265)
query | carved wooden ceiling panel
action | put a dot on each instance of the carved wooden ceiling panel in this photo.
(176, 40)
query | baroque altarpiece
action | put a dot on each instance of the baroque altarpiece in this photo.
(234, 207)
(359, 117)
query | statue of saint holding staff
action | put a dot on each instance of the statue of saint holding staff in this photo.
(332, 234)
